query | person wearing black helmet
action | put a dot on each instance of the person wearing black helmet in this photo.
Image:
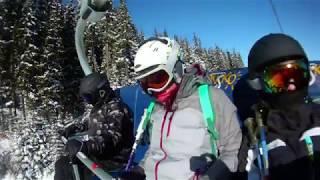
(279, 73)
(108, 129)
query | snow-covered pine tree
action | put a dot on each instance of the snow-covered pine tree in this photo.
(140, 36)
(218, 59)
(39, 83)
(239, 60)
(186, 51)
(197, 53)
(94, 45)
(228, 64)
(51, 79)
(29, 57)
(128, 43)
(10, 13)
(165, 33)
(156, 33)
(72, 72)
(120, 47)
(212, 63)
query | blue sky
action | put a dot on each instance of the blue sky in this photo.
(230, 23)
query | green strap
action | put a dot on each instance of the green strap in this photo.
(148, 117)
(209, 116)
(309, 144)
(208, 113)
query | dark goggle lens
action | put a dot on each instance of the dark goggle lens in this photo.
(285, 77)
(87, 98)
(156, 80)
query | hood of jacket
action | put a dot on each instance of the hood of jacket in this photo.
(191, 80)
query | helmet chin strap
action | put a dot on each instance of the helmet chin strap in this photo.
(178, 71)
(312, 78)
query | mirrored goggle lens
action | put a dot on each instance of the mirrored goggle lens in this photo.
(156, 80)
(285, 77)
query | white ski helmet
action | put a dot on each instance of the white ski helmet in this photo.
(156, 54)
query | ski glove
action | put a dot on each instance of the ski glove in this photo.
(71, 130)
(219, 171)
(136, 173)
(200, 164)
(73, 147)
(207, 164)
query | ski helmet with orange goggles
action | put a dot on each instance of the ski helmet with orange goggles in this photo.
(156, 80)
(287, 76)
(157, 63)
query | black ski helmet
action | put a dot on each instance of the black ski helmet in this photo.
(94, 87)
(274, 48)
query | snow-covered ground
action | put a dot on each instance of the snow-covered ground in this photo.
(5, 155)
(12, 177)
(7, 161)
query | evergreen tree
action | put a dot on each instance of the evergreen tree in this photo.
(186, 51)
(217, 59)
(140, 37)
(156, 33)
(10, 13)
(165, 33)
(29, 58)
(239, 60)
(72, 72)
(120, 47)
(197, 55)
(50, 82)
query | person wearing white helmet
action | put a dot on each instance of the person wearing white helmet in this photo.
(183, 143)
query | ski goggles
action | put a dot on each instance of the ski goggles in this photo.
(286, 77)
(156, 81)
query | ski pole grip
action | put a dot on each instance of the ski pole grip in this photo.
(249, 124)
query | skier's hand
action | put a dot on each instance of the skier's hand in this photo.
(68, 131)
(136, 173)
(200, 164)
(73, 147)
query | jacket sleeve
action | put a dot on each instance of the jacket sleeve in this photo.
(228, 127)
(105, 132)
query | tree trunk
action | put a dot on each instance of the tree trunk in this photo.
(23, 106)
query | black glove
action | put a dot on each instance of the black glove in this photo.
(219, 171)
(73, 147)
(136, 173)
(70, 130)
(95, 146)
(200, 164)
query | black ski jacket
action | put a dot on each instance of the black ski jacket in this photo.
(110, 133)
(298, 157)
(290, 156)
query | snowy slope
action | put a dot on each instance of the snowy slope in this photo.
(5, 155)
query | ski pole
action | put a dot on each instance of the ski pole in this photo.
(138, 137)
(94, 167)
(263, 142)
(141, 129)
(74, 166)
(254, 142)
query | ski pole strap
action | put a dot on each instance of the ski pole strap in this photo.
(309, 144)
(209, 116)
